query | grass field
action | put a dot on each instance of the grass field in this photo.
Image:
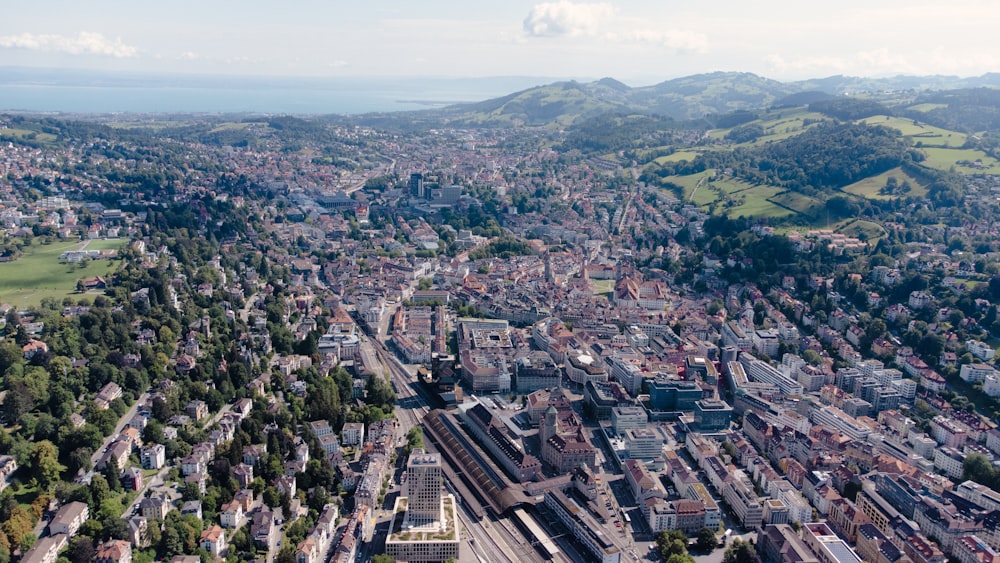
(927, 107)
(26, 134)
(756, 203)
(944, 159)
(38, 273)
(603, 287)
(107, 244)
(677, 157)
(237, 126)
(928, 135)
(689, 183)
(870, 187)
(731, 185)
(777, 124)
(799, 202)
(865, 230)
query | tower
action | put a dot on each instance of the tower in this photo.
(423, 487)
(416, 185)
(548, 428)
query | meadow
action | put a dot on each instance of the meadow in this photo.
(871, 188)
(944, 159)
(926, 135)
(39, 273)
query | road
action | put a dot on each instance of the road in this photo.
(122, 422)
(153, 483)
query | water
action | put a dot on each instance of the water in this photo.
(101, 93)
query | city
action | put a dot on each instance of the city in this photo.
(285, 339)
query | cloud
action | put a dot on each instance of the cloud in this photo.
(862, 63)
(190, 56)
(554, 19)
(84, 43)
(677, 39)
(600, 21)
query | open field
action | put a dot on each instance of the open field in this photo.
(870, 187)
(26, 134)
(865, 230)
(927, 135)
(38, 273)
(731, 185)
(677, 157)
(927, 107)
(237, 126)
(756, 202)
(944, 159)
(799, 202)
(107, 244)
(603, 287)
(777, 124)
(689, 183)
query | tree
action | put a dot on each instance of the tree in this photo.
(741, 552)
(706, 541)
(81, 550)
(977, 467)
(45, 464)
(671, 542)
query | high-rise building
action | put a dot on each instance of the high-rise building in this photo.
(423, 487)
(424, 524)
(416, 185)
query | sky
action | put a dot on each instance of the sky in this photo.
(636, 41)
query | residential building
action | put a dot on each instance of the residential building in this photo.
(69, 518)
(213, 540)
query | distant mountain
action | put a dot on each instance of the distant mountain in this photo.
(691, 97)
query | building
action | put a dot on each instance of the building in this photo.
(712, 415)
(213, 540)
(627, 373)
(353, 434)
(425, 525)
(781, 544)
(46, 550)
(68, 519)
(643, 443)
(827, 546)
(600, 397)
(628, 418)
(671, 395)
(584, 528)
(743, 501)
(762, 372)
(564, 442)
(115, 551)
(971, 549)
(836, 418)
(423, 487)
(972, 373)
(534, 371)
(153, 456)
(582, 368)
(685, 515)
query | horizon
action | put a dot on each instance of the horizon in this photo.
(89, 91)
(634, 41)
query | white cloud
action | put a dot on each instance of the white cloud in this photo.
(190, 56)
(873, 62)
(553, 19)
(84, 43)
(677, 39)
(601, 21)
